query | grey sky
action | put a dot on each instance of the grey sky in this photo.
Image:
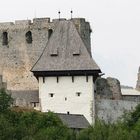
(115, 25)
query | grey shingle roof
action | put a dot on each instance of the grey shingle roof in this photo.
(74, 121)
(65, 51)
(27, 95)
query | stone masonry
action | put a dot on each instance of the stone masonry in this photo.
(22, 43)
(108, 88)
(138, 81)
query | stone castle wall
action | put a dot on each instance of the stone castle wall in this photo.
(111, 110)
(18, 56)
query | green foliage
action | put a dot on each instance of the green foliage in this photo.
(32, 125)
(5, 100)
(21, 124)
(133, 117)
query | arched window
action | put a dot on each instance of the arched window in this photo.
(50, 31)
(5, 38)
(28, 37)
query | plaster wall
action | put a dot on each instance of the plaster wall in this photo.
(65, 98)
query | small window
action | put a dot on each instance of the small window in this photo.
(76, 52)
(50, 31)
(72, 79)
(54, 52)
(28, 37)
(78, 93)
(35, 104)
(51, 94)
(65, 98)
(86, 78)
(5, 38)
(57, 79)
(43, 79)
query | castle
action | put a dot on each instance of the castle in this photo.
(21, 44)
(48, 65)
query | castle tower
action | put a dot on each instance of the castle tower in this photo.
(66, 73)
(138, 81)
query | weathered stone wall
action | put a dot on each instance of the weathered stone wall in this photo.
(108, 88)
(112, 110)
(138, 81)
(18, 57)
(134, 98)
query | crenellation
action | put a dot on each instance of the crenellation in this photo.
(40, 20)
(23, 22)
(6, 25)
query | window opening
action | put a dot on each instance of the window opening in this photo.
(28, 36)
(50, 31)
(51, 94)
(43, 79)
(5, 38)
(78, 93)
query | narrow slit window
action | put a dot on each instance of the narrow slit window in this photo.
(86, 78)
(57, 79)
(28, 37)
(43, 79)
(50, 31)
(5, 38)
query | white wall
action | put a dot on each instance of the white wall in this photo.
(65, 88)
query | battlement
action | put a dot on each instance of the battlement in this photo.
(36, 22)
(24, 23)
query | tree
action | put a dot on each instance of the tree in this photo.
(5, 100)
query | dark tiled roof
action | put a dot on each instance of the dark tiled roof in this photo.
(28, 95)
(65, 51)
(74, 121)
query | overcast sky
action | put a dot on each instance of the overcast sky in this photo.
(115, 25)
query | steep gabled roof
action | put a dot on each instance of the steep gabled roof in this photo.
(65, 51)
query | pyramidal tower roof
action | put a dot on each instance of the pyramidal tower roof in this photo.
(65, 53)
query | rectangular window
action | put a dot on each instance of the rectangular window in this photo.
(51, 95)
(54, 52)
(43, 79)
(57, 79)
(78, 93)
(76, 51)
(72, 79)
(35, 104)
(86, 78)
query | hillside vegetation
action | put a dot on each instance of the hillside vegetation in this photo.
(25, 124)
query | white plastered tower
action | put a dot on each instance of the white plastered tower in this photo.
(66, 73)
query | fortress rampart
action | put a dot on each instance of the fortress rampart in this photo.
(21, 44)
